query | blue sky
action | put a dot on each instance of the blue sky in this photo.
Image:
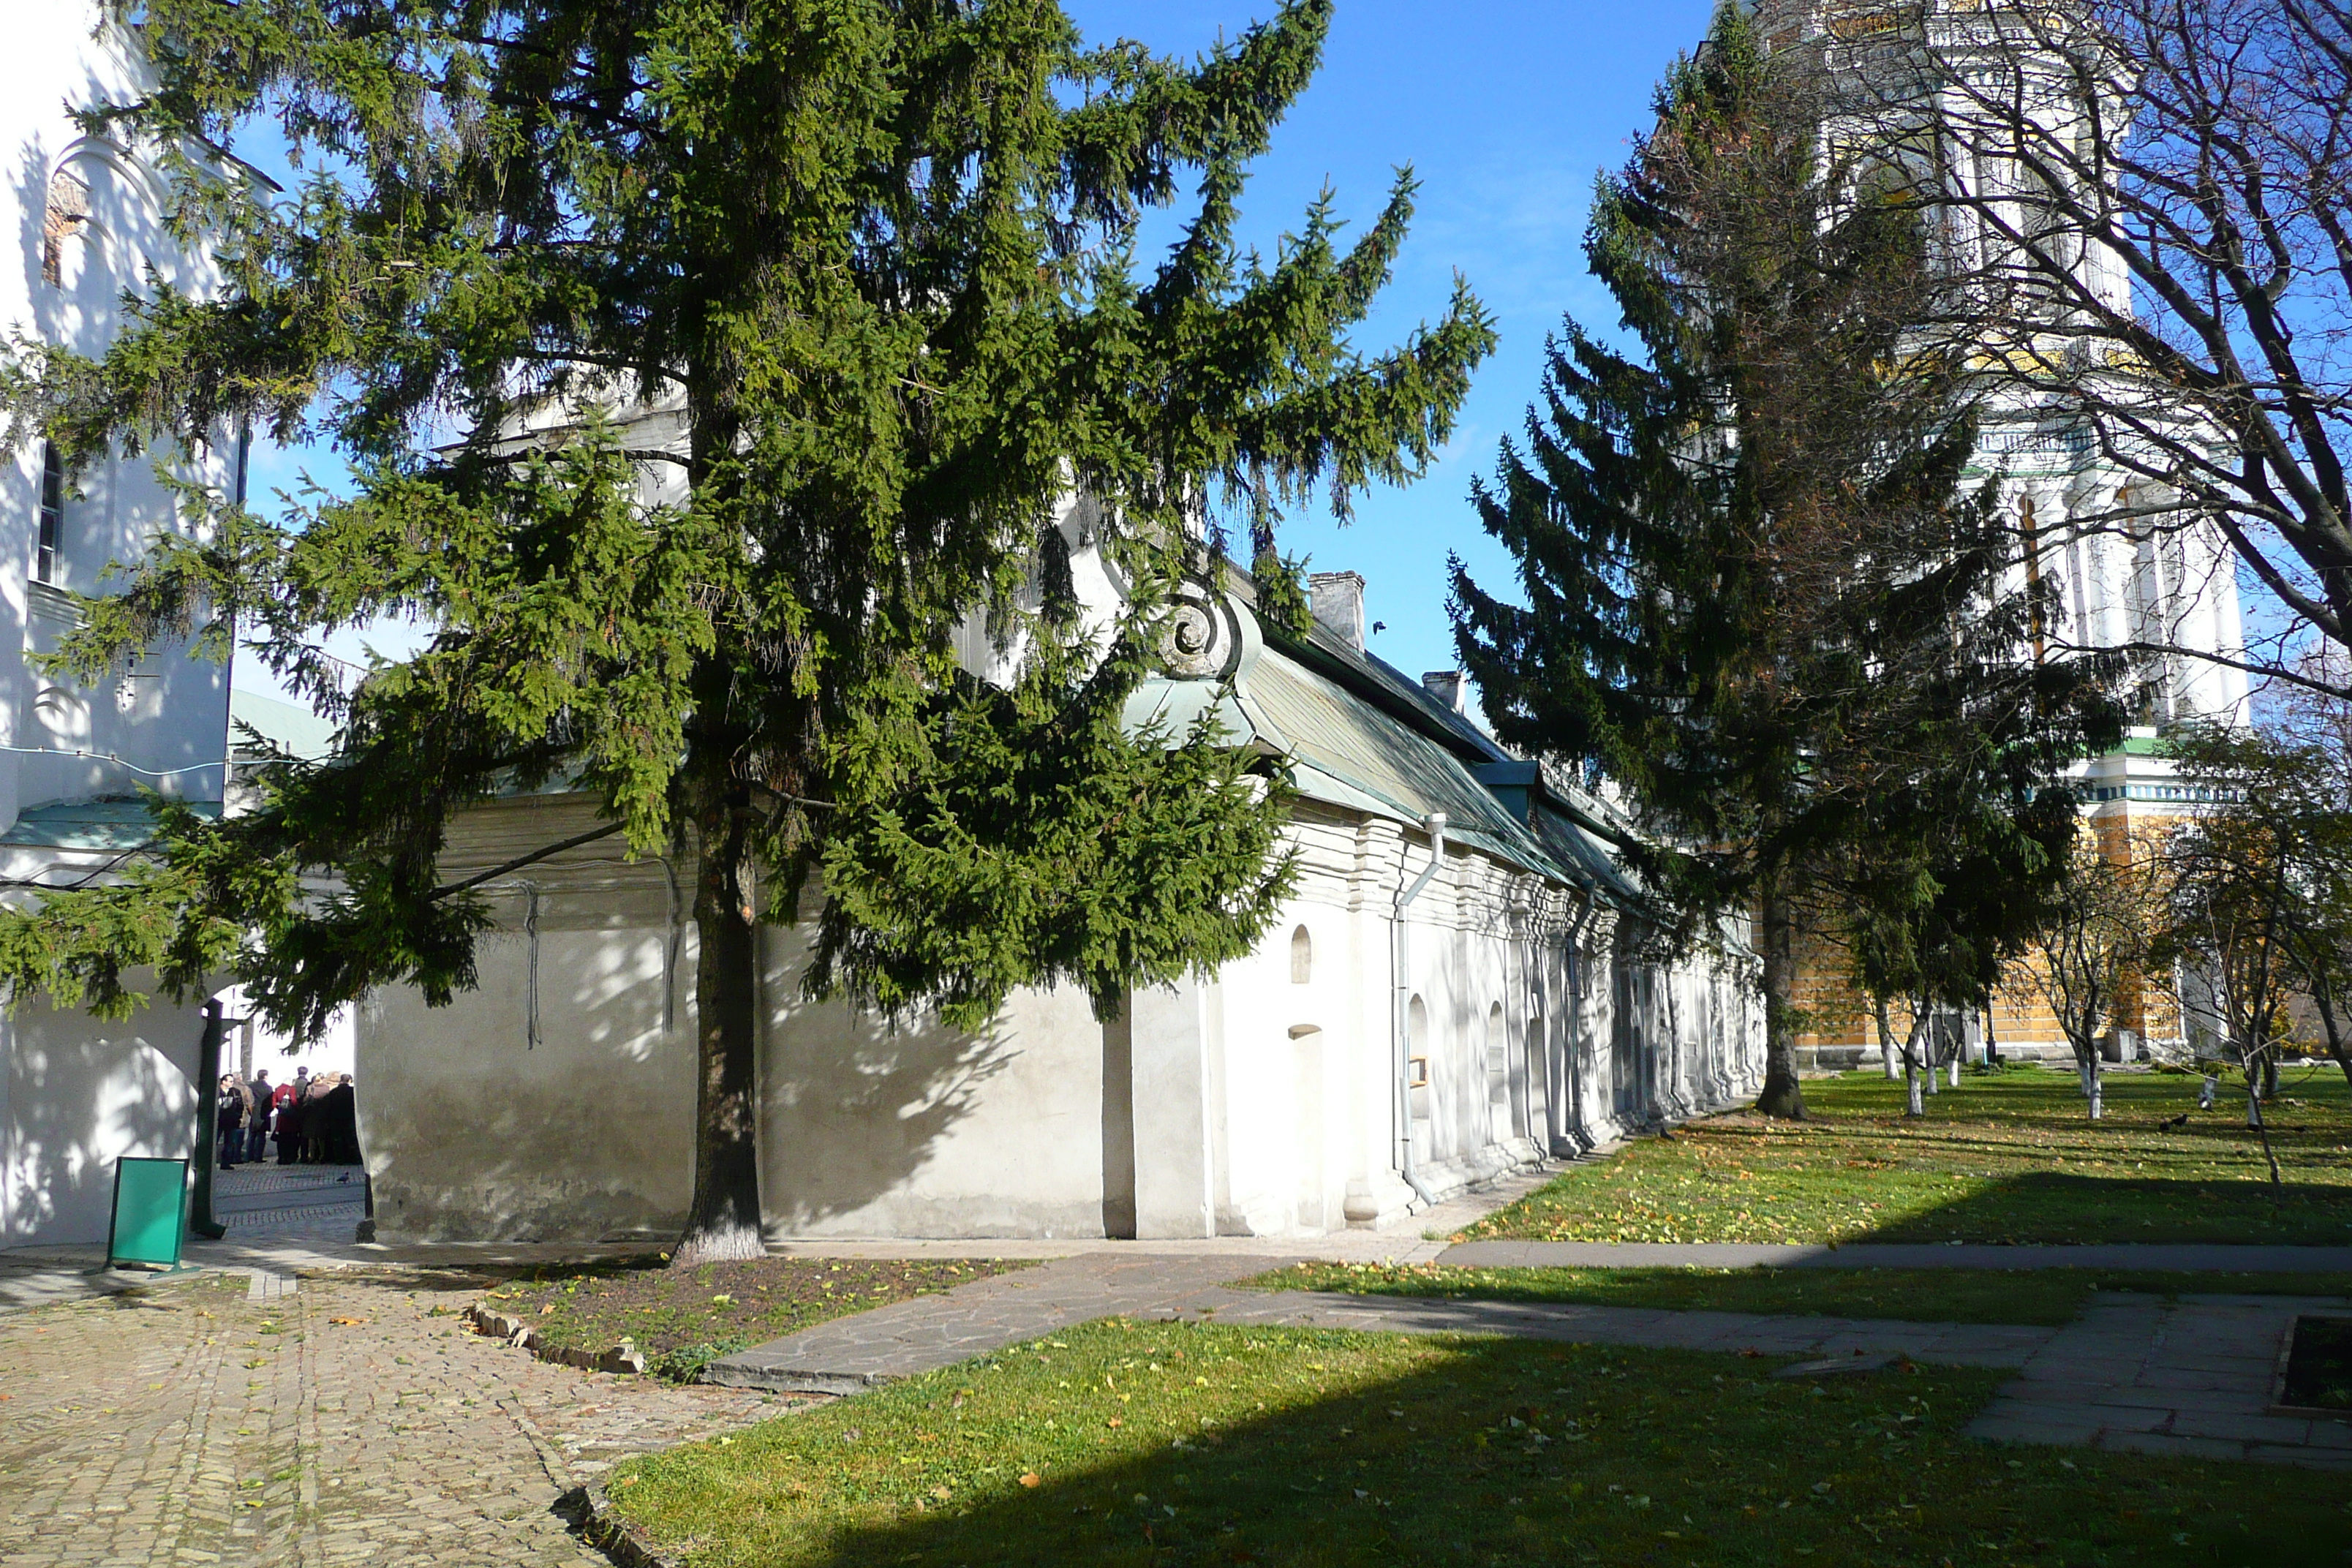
(1506, 111)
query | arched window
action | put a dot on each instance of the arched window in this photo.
(67, 217)
(52, 514)
(1302, 957)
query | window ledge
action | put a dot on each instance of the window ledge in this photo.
(51, 606)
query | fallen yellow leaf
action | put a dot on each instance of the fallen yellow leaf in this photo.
(1033, 1479)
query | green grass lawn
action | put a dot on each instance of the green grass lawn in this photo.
(2005, 1157)
(2045, 1296)
(684, 1319)
(1122, 1443)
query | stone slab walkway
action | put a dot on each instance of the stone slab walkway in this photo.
(2191, 1377)
(2163, 1257)
(932, 1331)
(224, 1420)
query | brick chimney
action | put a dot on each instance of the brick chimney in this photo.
(1450, 686)
(1339, 601)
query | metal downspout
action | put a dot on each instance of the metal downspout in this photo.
(1400, 1005)
(1576, 1128)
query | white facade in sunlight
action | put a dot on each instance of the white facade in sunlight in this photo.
(1299, 1091)
(81, 223)
(2126, 571)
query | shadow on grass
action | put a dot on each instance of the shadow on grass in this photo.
(2051, 1206)
(1159, 1444)
(2005, 1157)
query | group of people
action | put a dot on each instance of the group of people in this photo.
(314, 1119)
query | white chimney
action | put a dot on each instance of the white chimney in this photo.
(1450, 686)
(1339, 601)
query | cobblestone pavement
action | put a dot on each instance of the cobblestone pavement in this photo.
(2191, 1377)
(224, 1419)
(290, 1203)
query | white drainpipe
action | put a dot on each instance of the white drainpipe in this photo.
(1575, 1126)
(1402, 973)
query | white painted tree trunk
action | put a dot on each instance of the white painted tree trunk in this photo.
(1886, 1044)
(1956, 1069)
(2098, 1108)
(1911, 1063)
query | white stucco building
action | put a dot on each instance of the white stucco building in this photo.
(1357, 1065)
(81, 223)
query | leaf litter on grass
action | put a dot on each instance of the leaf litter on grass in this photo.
(2007, 1158)
(685, 1319)
(1301, 1447)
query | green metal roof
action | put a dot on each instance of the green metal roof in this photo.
(99, 824)
(297, 732)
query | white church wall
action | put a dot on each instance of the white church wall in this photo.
(84, 224)
(549, 1101)
(556, 1099)
(80, 1093)
(868, 1129)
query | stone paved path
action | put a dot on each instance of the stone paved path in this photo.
(2191, 1377)
(932, 1331)
(311, 1203)
(226, 1420)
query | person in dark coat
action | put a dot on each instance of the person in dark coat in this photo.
(314, 1119)
(340, 1113)
(290, 1098)
(257, 1122)
(228, 1120)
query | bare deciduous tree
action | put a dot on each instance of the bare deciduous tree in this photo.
(2147, 209)
(2095, 946)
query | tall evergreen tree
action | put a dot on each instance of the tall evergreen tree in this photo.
(1757, 598)
(703, 365)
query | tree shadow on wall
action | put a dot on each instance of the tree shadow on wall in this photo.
(859, 1102)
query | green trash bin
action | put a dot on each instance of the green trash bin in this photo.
(151, 1212)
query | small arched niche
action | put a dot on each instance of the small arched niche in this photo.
(1498, 1065)
(1417, 1057)
(1302, 956)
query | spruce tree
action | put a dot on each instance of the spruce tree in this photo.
(703, 366)
(1759, 597)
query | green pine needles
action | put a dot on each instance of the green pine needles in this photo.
(703, 365)
(1758, 595)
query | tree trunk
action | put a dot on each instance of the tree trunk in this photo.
(2325, 998)
(2255, 1119)
(1886, 1043)
(1954, 1066)
(1782, 1094)
(2098, 1103)
(1927, 1062)
(724, 1222)
(1915, 1104)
